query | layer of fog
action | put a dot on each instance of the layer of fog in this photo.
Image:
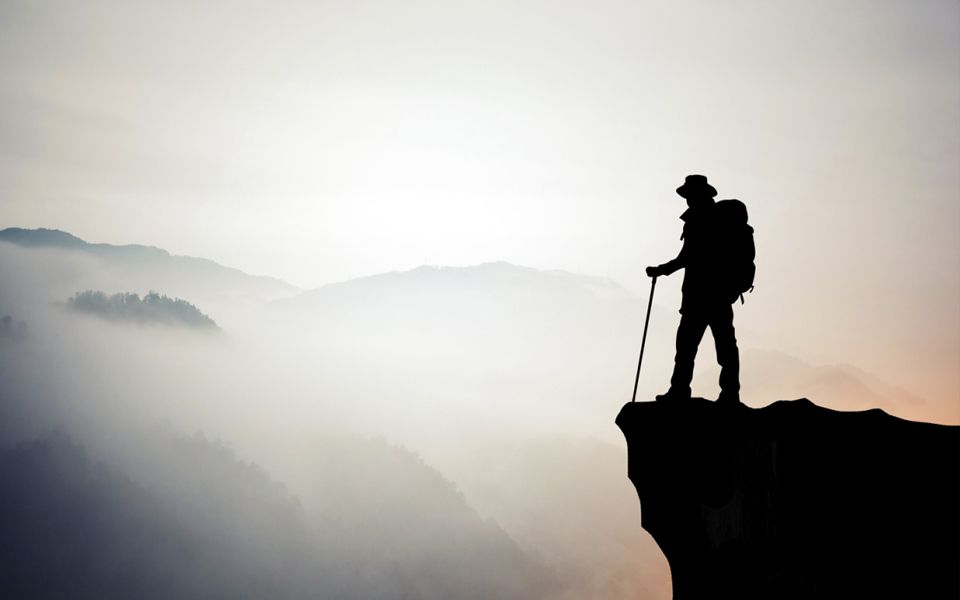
(473, 405)
(302, 400)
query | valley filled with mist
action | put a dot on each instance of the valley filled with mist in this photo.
(434, 433)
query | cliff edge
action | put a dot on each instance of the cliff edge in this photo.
(797, 501)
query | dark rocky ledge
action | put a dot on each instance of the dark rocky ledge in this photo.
(797, 501)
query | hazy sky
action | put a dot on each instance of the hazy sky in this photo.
(318, 141)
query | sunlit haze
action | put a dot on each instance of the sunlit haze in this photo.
(321, 142)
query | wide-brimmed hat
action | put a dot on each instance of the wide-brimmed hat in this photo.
(696, 186)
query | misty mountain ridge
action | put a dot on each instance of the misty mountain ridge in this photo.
(57, 238)
(485, 279)
(495, 302)
(135, 266)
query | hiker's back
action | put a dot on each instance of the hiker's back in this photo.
(718, 244)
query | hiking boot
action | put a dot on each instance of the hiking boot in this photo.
(729, 398)
(673, 395)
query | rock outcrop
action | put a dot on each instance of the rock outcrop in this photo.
(797, 501)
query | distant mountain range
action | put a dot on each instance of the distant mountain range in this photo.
(137, 268)
(55, 238)
(476, 279)
(497, 313)
(496, 326)
(493, 296)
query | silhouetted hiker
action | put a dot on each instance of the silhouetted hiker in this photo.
(717, 256)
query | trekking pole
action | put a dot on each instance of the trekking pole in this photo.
(643, 343)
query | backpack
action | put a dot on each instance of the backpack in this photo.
(736, 240)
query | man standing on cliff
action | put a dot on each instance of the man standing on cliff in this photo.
(717, 257)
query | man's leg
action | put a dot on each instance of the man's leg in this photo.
(689, 334)
(725, 338)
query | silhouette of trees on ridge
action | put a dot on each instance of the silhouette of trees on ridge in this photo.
(152, 308)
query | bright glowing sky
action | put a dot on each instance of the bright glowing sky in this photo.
(318, 141)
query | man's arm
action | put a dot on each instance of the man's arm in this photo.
(672, 266)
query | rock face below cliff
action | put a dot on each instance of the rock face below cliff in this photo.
(797, 501)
